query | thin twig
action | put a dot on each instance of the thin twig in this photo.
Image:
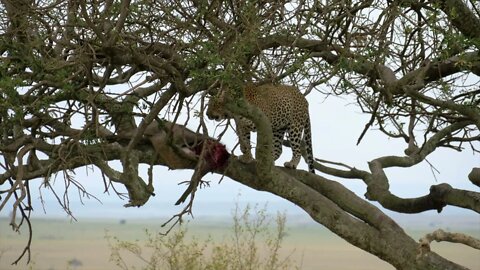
(372, 119)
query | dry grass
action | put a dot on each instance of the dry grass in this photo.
(56, 243)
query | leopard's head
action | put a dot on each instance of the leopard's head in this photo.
(216, 107)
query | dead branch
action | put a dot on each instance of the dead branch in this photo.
(443, 236)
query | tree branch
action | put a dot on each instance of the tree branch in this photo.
(440, 235)
(462, 17)
(395, 246)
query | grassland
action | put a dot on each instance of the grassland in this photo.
(58, 243)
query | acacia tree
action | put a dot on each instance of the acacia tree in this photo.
(84, 83)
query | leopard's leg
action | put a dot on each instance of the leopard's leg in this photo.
(295, 138)
(243, 130)
(277, 142)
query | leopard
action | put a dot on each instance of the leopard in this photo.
(287, 110)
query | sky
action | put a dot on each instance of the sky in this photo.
(336, 126)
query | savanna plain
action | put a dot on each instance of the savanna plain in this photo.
(87, 244)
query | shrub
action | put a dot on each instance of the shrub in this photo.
(253, 244)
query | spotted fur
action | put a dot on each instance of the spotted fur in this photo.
(287, 110)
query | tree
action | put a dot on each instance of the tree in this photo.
(84, 83)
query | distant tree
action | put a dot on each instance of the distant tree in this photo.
(83, 83)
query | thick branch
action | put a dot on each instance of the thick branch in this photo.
(264, 149)
(444, 193)
(474, 176)
(462, 17)
(380, 236)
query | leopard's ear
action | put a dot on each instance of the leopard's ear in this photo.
(216, 90)
(221, 94)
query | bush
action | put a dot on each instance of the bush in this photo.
(254, 244)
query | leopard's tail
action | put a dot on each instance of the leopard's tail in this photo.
(307, 137)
